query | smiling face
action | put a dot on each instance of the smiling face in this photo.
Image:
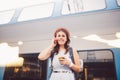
(61, 38)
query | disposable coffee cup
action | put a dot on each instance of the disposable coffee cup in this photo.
(61, 59)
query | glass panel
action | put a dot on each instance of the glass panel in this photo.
(32, 69)
(5, 17)
(98, 65)
(118, 1)
(36, 12)
(98, 4)
(75, 6)
(72, 6)
(13, 4)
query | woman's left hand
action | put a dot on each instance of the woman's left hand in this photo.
(67, 62)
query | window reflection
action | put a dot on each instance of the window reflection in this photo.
(35, 12)
(75, 6)
(32, 69)
(6, 16)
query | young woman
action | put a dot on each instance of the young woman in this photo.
(63, 66)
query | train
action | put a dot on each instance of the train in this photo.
(98, 64)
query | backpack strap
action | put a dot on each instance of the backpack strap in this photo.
(52, 55)
(72, 58)
(71, 54)
(51, 65)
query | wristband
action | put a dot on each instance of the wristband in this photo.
(71, 64)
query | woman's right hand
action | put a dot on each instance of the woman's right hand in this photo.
(54, 42)
(46, 53)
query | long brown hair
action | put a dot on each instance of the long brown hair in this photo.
(56, 48)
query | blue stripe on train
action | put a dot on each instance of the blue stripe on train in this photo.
(2, 69)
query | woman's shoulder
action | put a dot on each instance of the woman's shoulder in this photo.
(73, 49)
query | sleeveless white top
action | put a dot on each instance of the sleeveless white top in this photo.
(59, 75)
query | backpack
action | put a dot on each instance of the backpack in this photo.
(77, 74)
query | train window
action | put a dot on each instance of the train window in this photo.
(6, 16)
(75, 6)
(32, 69)
(34, 12)
(15, 4)
(98, 65)
(24, 9)
(118, 1)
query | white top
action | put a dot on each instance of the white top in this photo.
(69, 75)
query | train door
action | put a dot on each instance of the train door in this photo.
(98, 65)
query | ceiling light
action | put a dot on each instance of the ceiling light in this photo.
(75, 36)
(92, 37)
(117, 34)
(114, 43)
(20, 43)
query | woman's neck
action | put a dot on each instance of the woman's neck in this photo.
(62, 48)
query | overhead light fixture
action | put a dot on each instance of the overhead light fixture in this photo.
(20, 43)
(74, 36)
(115, 43)
(94, 37)
(117, 34)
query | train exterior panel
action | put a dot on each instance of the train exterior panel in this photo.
(94, 67)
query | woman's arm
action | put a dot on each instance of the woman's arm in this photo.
(46, 53)
(75, 66)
